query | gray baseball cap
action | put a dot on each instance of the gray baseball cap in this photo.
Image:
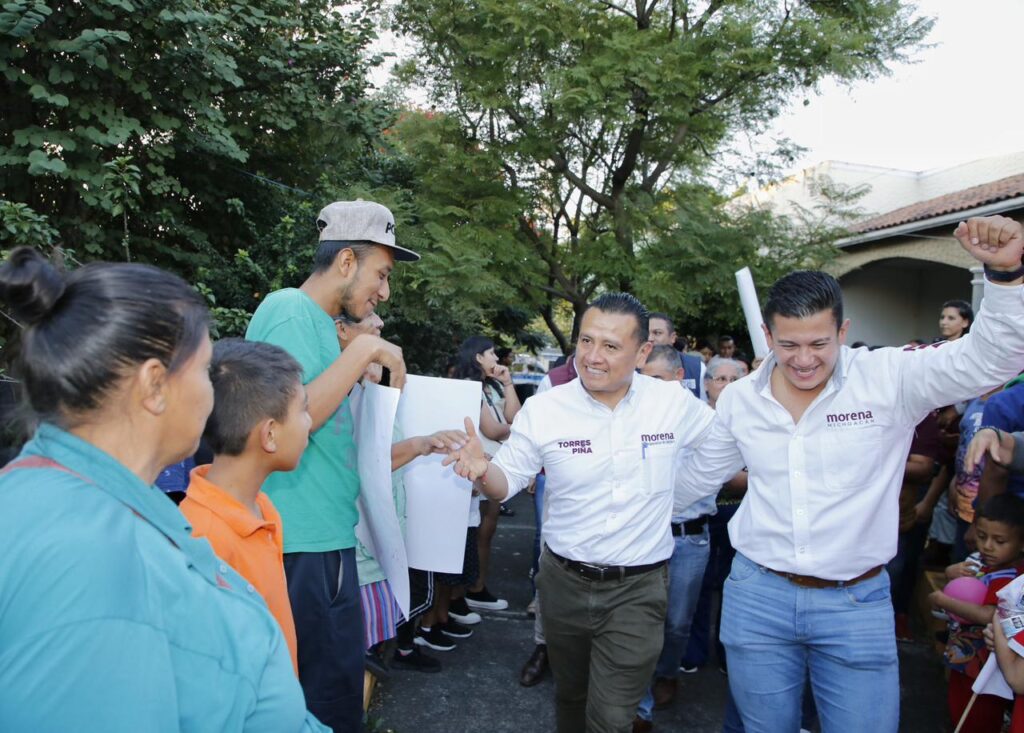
(361, 221)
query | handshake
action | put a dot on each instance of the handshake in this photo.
(467, 458)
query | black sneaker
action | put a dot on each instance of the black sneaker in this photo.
(456, 630)
(435, 639)
(415, 661)
(462, 613)
(484, 600)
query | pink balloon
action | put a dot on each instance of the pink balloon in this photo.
(967, 589)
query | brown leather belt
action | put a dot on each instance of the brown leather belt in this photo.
(809, 581)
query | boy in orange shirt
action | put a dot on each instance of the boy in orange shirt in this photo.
(260, 424)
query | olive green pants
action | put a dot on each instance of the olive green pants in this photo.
(604, 638)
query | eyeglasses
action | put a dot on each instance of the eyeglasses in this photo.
(724, 380)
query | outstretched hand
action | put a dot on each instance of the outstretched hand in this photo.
(987, 442)
(443, 441)
(469, 461)
(996, 241)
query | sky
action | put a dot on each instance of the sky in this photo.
(962, 99)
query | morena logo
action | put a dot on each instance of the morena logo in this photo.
(577, 446)
(861, 417)
(657, 438)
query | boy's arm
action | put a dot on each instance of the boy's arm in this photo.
(443, 441)
(974, 613)
(993, 351)
(1011, 664)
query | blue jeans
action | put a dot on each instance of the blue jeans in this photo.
(719, 562)
(685, 571)
(775, 632)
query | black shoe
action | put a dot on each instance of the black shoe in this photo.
(415, 661)
(462, 613)
(456, 630)
(506, 512)
(375, 666)
(535, 667)
(435, 639)
(483, 600)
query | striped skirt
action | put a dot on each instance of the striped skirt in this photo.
(380, 612)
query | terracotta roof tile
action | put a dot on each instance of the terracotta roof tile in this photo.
(968, 198)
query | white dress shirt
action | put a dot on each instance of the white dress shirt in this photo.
(822, 496)
(610, 473)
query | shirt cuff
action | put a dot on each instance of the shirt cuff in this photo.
(1003, 298)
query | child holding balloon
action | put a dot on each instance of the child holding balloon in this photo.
(970, 601)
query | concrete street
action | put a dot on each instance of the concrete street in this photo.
(478, 689)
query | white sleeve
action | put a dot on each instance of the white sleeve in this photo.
(703, 384)
(947, 373)
(714, 459)
(544, 386)
(519, 458)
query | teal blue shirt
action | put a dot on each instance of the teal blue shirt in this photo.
(113, 618)
(317, 500)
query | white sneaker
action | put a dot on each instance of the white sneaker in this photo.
(483, 600)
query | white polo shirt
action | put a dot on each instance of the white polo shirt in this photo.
(822, 493)
(610, 473)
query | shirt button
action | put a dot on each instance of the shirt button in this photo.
(801, 549)
(251, 588)
(223, 568)
(796, 474)
(799, 512)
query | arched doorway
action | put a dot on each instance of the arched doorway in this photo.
(894, 300)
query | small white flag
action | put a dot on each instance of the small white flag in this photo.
(990, 680)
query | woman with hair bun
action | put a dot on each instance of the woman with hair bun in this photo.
(113, 618)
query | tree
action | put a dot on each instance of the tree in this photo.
(603, 110)
(148, 129)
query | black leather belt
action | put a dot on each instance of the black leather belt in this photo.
(693, 526)
(603, 572)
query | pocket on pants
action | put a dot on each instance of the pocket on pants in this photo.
(742, 569)
(871, 592)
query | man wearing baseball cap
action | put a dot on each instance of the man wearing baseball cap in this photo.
(317, 500)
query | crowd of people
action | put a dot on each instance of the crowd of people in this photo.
(181, 550)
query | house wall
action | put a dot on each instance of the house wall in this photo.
(891, 301)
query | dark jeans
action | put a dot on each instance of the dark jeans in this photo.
(904, 567)
(719, 561)
(324, 593)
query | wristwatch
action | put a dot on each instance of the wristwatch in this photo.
(1004, 276)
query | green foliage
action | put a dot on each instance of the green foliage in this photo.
(602, 114)
(150, 115)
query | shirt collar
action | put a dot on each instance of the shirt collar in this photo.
(236, 515)
(112, 477)
(629, 398)
(763, 375)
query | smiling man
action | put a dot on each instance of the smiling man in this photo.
(607, 441)
(824, 432)
(317, 500)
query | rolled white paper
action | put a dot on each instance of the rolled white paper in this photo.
(752, 311)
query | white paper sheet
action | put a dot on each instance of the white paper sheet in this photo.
(752, 311)
(437, 501)
(373, 411)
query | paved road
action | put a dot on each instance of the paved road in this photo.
(478, 689)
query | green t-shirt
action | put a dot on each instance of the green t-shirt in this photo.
(317, 500)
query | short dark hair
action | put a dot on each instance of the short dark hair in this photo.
(83, 331)
(724, 337)
(628, 305)
(802, 294)
(664, 317)
(252, 381)
(328, 250)
(1005, 508)
(666, 353)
